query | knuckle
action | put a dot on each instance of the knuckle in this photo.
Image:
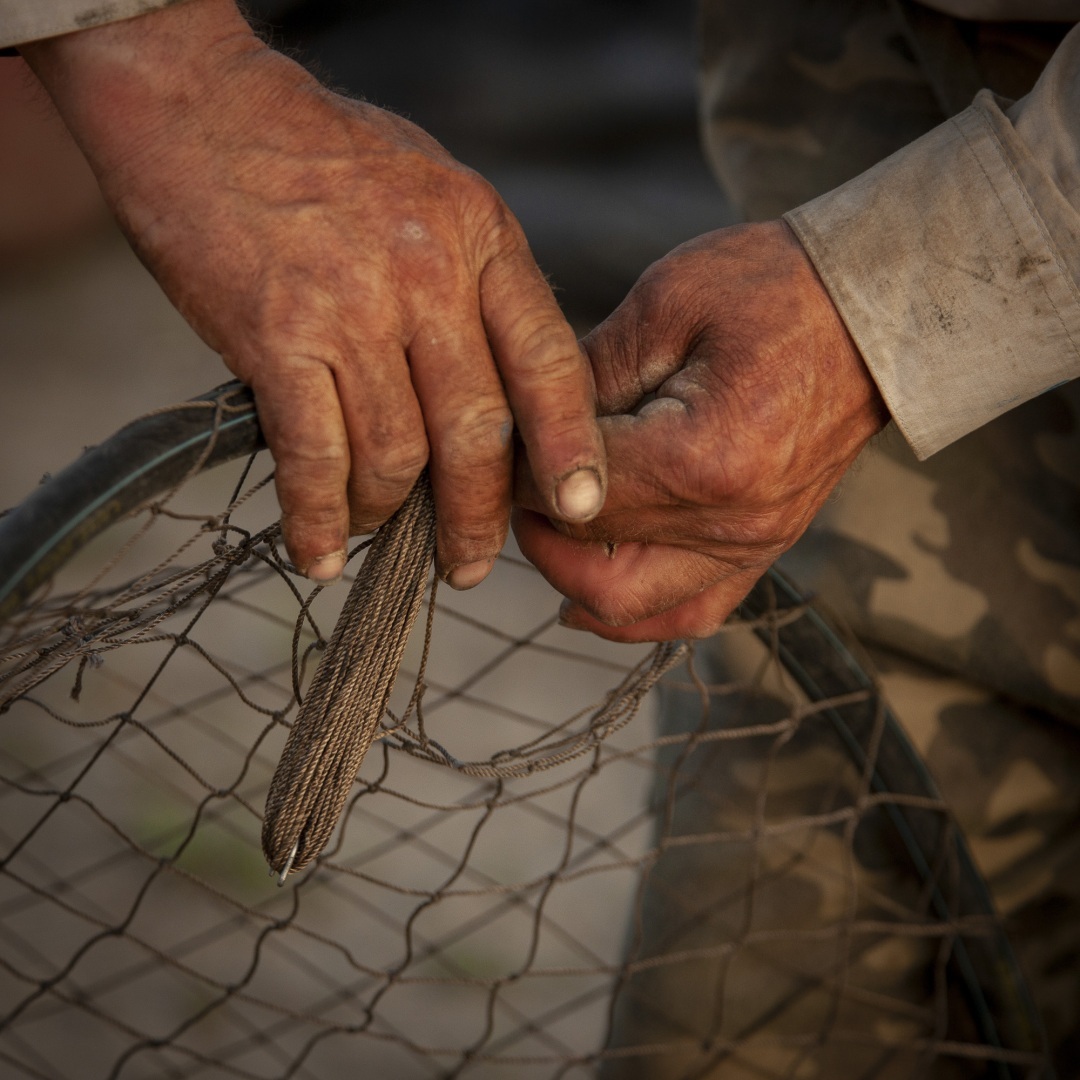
(397, 469)
(393, 436)
(392, 449)
(671, 302)
(572, 432)
(657, 287)
(284, 372)
(314, 449)
(546, 349)
(721, 469)
(424, 258)
(311, 510)
(651, 289)
(476, 190)
(317, 517)
(471, 541)
(762, 537)
(295, 313)
(471, 533)
(479, 431)
(310, 465)
(434, 240)
(483, 210)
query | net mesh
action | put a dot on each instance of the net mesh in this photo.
(561, 857)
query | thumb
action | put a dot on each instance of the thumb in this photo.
(635, 348)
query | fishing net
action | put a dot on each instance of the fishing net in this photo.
(560, 857)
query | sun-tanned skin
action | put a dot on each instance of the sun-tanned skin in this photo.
(377, 295)
(382, 302)
(761, 402)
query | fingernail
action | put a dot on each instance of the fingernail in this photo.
(579, 495)
(468, 574)
(566, 616)
(326, 569)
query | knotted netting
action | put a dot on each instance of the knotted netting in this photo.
(560, 857)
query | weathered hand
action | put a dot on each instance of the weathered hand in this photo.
(378, 297)
(760, 401)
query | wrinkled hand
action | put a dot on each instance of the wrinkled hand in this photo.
(377, 296)
(760, 403)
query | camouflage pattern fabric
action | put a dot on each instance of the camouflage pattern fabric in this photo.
(798, 96)
(772, 945)
(961, 574)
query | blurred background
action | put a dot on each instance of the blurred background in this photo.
(580, 112)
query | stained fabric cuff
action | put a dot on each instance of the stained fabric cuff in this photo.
(34, 20)
(946, 274)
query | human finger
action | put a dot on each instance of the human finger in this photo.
(699, 617)
(648, 458)
(643, 342)
(301, 418)
(470, 428)
(388, 444)
(623, 584)
(548, 385)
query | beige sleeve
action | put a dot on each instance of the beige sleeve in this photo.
(955, 263)
(32, 20)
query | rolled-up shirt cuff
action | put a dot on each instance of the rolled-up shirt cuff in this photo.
(948, 278)
(33, 20)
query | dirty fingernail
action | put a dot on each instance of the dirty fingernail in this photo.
(326, 569)
(468, 574)
(579, 495)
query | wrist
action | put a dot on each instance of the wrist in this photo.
(855, 399)
(161, 37)
(122, 85)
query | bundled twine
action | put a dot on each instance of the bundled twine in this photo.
(341, 714)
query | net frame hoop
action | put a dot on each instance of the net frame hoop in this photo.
(141, 461)
(155, 454)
